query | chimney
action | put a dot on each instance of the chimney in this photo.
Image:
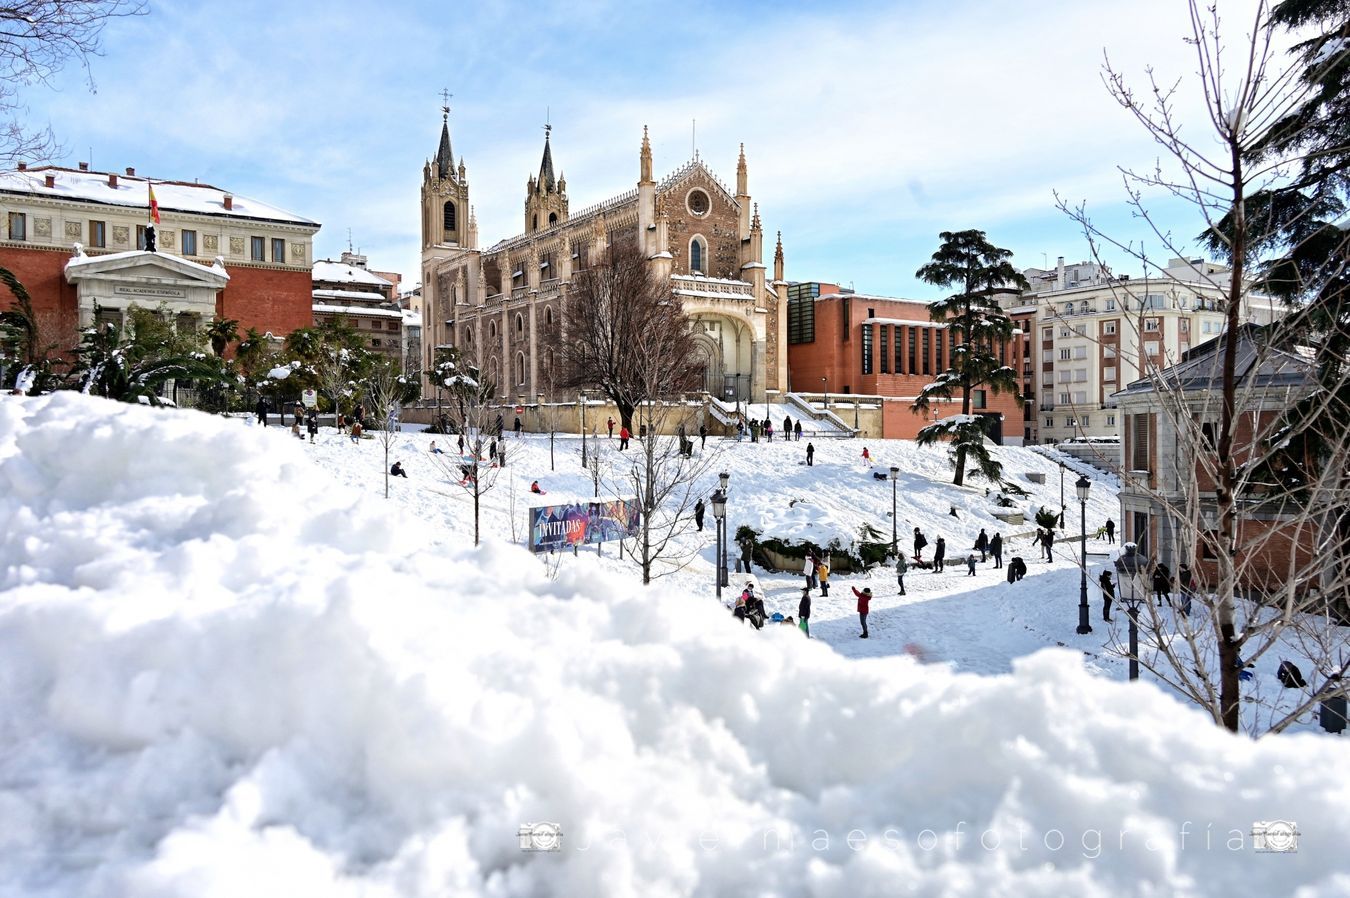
(23, 166)
(1059, 273)
(51, 180)
(229, 202)
(112, 181)
(84, 166)
(131, 172)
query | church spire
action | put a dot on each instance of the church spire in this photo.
(445, 159)
(547, 182)
(645, 165)
(742, 178)
(778, 260)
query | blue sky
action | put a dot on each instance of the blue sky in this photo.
(869, 127)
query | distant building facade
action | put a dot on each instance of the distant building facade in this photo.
(364, 301)
(75, 238)
(505, 305)
(849, 343)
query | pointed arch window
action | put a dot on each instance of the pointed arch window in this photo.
(450, 217)
(520, 368)
(698, 252)
(520, 325)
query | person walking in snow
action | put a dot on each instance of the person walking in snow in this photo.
(1108, 593)
(939, 555)
(864, 603)
(768, 430)
(698, 514)
(809, 570)
(982, 545)
(823, 574)
(970, 563)
(797, 432)
(919, 542)
(787, 427)
(610, 424)
(1048, 540)
(866, 456)
(804, 613)
(624, 437)
(810, 455)
(703, 437)
(517, 427)
(261, 410)
(1162, 583)
(901, 566)
(754, 430)
(312, 423)
(1186, 586)
(996, 549)
(1110, 531)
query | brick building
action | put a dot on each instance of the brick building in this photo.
(851, 343)
(76, 240)
(1163, 436)
(362, 300)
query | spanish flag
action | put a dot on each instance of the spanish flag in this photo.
(154, 205)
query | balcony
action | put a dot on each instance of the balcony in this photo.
(1047, 406)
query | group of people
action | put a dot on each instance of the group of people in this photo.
(1159, 581)
(757, 428)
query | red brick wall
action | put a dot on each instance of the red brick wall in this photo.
(267, 299)
(42, 273)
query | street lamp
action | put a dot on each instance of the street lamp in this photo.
(1133, 600)
(719, 504)
(826, 391)
(895, 476)
(1083, 486)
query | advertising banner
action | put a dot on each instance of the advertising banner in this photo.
(557, 527)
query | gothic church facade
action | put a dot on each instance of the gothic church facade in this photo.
(504, 305)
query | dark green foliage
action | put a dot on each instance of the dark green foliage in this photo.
(138, 363)
(1047, 519)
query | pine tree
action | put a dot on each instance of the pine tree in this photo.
(968, 262)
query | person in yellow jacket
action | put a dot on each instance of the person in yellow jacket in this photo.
(823, 574)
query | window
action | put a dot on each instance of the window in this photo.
(927, 337)
(189, 243)
(520, 325)
(18, 226)
(801, 319)
(1184, 325)
(1109, 351)
(1047, 334)
(1151, 347)
(937, 352)
(871, 313)
(913, 352)
(278, 250)
(1080, 397)
(98, 233)
(1080, 375)
(979, 398)
(1139, 442)
(1151, 324)
(1080, 352)
(697, 251)
(449, 212)
(1110, 420)
(898, 358)
(1068, 308)
(140, 236)
(1086, 420)
(1110, 305)
(1065, 354)
(1065, 334)
(1063, 398)
(1109, 327)
(885, 349)
(548, 320)
(1047, 355)
(492, 330)
(375, 342)
(1080, 330)
(1065, 375)
(867, 348)
(258, 247)
(1109, 375)
(1068, 422)
(520, 368)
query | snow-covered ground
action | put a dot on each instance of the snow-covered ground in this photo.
(228, 666)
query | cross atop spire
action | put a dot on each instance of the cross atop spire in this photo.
(445, 158)
(547, 182)
(445, 102)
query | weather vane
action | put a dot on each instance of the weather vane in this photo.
(445, 100)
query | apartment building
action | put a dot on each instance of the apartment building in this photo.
(1095, 332)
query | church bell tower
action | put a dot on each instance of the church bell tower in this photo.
(445, 196)
(545, 196)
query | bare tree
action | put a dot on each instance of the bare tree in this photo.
(473, 417)
(37, 39)
(1211, 446)
(384, 389)
(616, 306)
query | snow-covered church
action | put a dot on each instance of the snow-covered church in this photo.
(506, 302)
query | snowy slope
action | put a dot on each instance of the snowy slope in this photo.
(223, 672)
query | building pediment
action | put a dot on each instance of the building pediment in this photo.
(141, 267)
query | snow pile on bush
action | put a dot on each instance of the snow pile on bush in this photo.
(220, 675)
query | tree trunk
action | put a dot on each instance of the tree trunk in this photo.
(1225, 611)
(625, 414)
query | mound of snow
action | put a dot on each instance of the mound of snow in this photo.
(222, 675)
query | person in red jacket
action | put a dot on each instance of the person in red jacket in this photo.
(623, 437)
(864, 600)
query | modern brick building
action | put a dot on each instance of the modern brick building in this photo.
(75, 238)
(849, 343)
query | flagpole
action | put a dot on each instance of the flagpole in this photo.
(152, 217)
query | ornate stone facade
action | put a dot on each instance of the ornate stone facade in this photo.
(504, 304)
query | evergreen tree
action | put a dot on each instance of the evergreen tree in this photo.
(967, 262)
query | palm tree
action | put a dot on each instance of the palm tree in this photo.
(222, 332)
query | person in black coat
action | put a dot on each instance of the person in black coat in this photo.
(797, 432)
(698, 514)
(396, 470)
(939, 553)
(996, 549)
(1108, 593)
(919, 542)
(1162, 583)
(982, 545)
(261, 410)
(1017, 569)
(1110, 531)
(1048, 540)
(804, 612)
(703, 436)
(810, 455)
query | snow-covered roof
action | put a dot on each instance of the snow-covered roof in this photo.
(357, 311)
(80, 263)
(360, 295)
(412, 319)
(328, 271)
(133, 192)
(908, 322)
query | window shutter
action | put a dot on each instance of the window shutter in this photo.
(1139, 445)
